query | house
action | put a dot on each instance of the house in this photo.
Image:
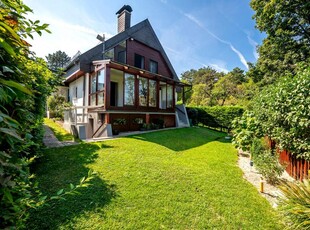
(123, 83)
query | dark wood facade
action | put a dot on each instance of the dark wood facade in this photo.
(135, 47)
(130, 113)
(134, 63)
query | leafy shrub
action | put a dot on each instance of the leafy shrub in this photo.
(56, 105)
(158, 123)
(192, 114)
(268, 165)
(216, 116)
(258, 147)
(266, 161)
(281, 112)
(25, 83)
(224, 115)
(119, 121)
(295, 204)
(245, 130)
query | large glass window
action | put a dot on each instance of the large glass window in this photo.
(93, 84)
(129, 89)
(97, 88)
(121, 57)
(139, 61)
(93, 99)
(120, 51)
(109, 54)
(153, 66)
(100, 97)
(100, 80)
(162, 95)
(143, 91)
(152, 93)
(169, 96)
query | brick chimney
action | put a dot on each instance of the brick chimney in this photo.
(123, 16)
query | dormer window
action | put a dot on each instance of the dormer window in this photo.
(109, 54)
(120, 52)
(153, 66)
(139, 61)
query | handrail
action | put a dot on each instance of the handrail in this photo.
(180, 110)
(84, 107)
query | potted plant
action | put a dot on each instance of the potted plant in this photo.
(116, 123)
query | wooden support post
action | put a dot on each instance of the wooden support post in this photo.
(147, 118)
(107, 87)
(107, 118)
(183, 95)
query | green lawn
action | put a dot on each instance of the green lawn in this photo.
(174, 179)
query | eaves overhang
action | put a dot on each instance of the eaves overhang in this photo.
(78, 73)
(142, 72)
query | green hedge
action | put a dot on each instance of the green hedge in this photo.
(215, 116)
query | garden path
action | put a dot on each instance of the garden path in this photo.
(50, 141)
(271, 193)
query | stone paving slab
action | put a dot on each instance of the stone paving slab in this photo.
(50, 141)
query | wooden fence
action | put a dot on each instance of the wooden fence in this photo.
(296, 168)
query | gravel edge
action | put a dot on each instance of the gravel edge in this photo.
(271, 193)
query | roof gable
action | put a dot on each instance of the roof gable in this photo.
(144, 33)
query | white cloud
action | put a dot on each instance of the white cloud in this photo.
(241, 57)
(66, 37)
(254, 44)
(219, 67)
(195, 20)
(200, 24)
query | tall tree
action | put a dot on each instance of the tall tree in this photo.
(237, 76)
(287, 25)
(227, 86)
(57, 60)
(203, 81)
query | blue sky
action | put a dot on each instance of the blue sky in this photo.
(194, 33)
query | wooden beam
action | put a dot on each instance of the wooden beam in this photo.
(107, 88)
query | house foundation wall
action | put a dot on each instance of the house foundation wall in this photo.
(134, 122)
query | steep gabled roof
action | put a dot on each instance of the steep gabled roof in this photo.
(144, 33)
(82, 61)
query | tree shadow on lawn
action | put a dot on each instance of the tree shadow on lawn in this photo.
(58, 168)
(183, 139)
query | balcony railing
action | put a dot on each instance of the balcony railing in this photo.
(76, 115)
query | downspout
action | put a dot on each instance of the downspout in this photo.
(84, 82)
